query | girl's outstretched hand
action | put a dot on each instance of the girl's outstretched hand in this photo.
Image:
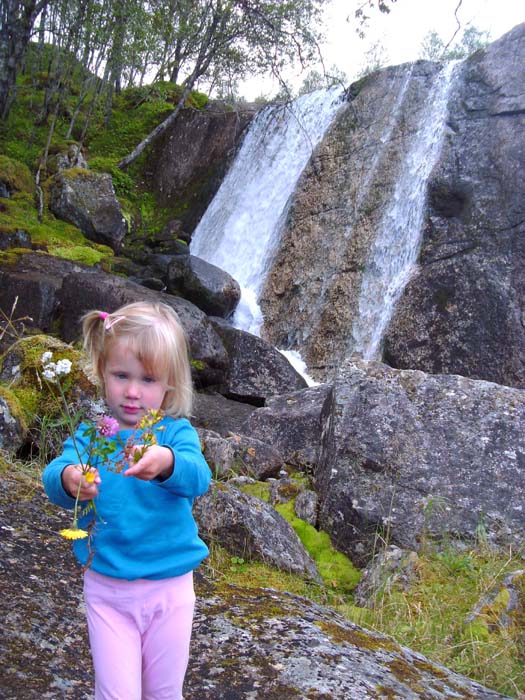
(72, 477)
(155, 461)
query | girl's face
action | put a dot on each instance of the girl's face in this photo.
(130, 390)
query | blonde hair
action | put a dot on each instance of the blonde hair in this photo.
(155, 336)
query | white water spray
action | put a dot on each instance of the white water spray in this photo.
(240, 230)
(396, 245)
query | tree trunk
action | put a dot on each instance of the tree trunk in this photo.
(160, 129)
(16, 22)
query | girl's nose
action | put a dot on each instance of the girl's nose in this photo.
(132, 390)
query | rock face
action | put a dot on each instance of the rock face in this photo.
(211, 289)
(186, 166)
(310, 300)
(462, 311)
(422, 456)
(247, 643)
(87, 200)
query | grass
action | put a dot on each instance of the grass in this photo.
(429, 618)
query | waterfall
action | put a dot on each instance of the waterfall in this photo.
(240, 230)
(396, 245)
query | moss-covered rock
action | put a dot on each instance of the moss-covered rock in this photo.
(16, 176)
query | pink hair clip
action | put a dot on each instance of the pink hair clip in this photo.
(103, 315)
(109, 322)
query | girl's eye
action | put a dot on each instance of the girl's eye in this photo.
(121, 375)
(149, 380)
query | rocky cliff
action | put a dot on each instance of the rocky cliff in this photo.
(462, 310)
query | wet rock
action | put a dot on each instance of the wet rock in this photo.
(257, 369)
(298, 424)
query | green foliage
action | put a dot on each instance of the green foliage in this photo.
(128, 127)
(335, 568)
(162, 91)
(431, 616)
(433, 48)
(57, 237)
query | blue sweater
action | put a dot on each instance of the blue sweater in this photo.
(144, 529)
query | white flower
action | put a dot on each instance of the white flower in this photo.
(63, 367)
(49, 374)
(46, 357)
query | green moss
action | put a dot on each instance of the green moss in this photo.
(358, 638)
(35, 395)
(16, 175)
(407, 674)
(259, 489)
(335, 568)
(79, 254)
(29, 400)
(15, 407)
(199, 365)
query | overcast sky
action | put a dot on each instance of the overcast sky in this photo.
(401, 32)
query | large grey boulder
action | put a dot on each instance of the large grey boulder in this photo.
(185, 167)
(213, 411)
(239, 455)
(80, 293)
(252, 529)
(34, 280)
(463, 310)
(257, 369)
(88, 201)
(420, 456)
(310, 298)
(298, 424)
(213, 290)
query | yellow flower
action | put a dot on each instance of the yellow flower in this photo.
(74, 533)
(90, 477)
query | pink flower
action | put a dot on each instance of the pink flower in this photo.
(107, 426)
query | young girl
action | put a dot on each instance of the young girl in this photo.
(144, 546)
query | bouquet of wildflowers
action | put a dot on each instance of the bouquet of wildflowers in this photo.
(103, 440)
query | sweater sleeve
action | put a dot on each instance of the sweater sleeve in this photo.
(191, 474)
(74, 449)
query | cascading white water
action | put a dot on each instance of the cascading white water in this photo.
(396, 245)
(241, 228)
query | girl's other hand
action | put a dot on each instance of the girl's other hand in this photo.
(155, 461)
(72, 477)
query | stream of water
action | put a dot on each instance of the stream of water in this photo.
(396, 244)
(241, 229)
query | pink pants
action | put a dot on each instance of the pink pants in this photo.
(139, 633)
